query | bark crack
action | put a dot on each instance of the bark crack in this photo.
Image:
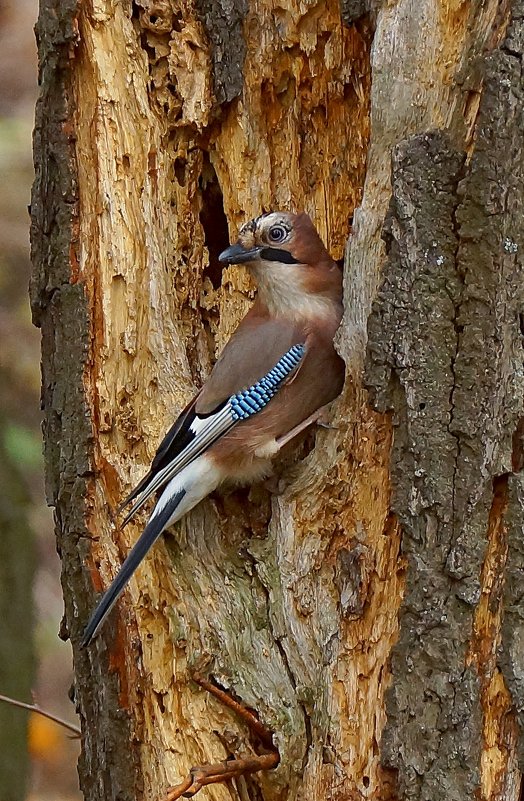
(456, 301)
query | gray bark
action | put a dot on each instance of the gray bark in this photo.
(445, 356)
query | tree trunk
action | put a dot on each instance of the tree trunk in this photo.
(370, 611)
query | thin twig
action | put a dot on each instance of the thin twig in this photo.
(231, 768)
(35, 708)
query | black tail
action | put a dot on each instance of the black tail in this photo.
(149, 536)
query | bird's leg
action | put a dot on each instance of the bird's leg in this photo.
(319, 417)
(231, 768)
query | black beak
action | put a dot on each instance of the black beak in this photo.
(236, 254)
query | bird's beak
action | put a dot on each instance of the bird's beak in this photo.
(237, 254)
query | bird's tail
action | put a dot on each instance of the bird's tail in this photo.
(182, 493)
(149, 536)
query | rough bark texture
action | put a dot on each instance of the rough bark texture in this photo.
(161, 128)
(445, 355)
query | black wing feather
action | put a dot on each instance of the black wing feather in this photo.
(149, 536)
(174, 441)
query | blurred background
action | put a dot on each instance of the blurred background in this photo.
(37, 757)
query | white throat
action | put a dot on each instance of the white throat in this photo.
(281, 288)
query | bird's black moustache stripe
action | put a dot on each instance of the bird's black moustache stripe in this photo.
(275, 254)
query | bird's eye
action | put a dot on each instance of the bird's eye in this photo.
(277, 233)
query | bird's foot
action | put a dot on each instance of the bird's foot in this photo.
(320, 417)
(231, 768)
(324, 417)
(274, 484)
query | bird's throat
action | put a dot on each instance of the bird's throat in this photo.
(281, 288)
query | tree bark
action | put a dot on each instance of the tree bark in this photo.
(370, 611)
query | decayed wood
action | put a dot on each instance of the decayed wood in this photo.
(235, 767)
(162, 127)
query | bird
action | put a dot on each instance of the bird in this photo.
(274, 377)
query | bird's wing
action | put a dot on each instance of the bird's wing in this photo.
(224, 401)
(253, 350)
(175, 438)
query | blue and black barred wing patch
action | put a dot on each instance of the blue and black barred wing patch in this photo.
(205, 430)
(252, 400)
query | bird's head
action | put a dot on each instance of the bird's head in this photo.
(288, 260)
(278, 237)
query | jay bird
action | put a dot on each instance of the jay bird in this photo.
(271, 381)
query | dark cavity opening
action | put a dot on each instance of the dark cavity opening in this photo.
(214, 222)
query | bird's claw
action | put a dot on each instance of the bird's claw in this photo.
(329, 426)
(320, 417)
(324, 416)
